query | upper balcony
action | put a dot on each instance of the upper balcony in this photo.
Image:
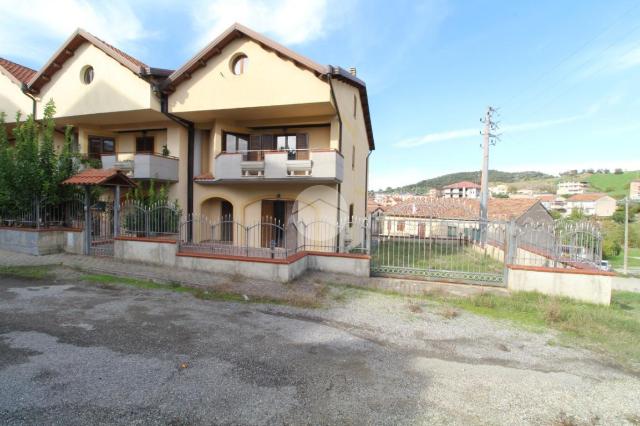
(317, 165)
(143, 165)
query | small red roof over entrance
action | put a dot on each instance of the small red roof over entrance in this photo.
(100, 177)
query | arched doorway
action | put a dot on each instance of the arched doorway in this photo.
(219, 213)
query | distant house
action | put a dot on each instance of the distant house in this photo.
(464, 189)
(634, 190)
(592, 204)
(374, 208)
(433, 193)
(553, 202)
(499, 190)
(458, 218)
(572, 188)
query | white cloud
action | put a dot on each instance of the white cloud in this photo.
(26, 27)
(289, 21)
(504, 130)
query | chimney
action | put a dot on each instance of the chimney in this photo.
(352, 71)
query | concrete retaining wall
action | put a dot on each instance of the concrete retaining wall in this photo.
(625, 284)
(149, 251)
(39, 242)
(348, 264)
(592, 287)
(283, 270)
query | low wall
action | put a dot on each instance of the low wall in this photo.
(163, 252)
(626, 284)
(343, 263)
(586, 286)
(159, 252)
(39, 242)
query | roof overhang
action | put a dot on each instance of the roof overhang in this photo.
(100, 177)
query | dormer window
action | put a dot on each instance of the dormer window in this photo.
(87, 74)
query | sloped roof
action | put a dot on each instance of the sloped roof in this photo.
(236, 31)
(590, 196)
(18, 73)
(67, 50)
(464, 209)
(100, 177)
(463, 184)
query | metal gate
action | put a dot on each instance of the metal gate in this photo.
(101, 243)
(466, 251)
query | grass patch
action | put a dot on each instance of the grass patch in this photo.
(613, 329)
(616, 185)
(29, 272)
(633, 259)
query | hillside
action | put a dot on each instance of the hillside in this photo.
(615, 185)
(495, 176)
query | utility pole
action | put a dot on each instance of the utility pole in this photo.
(488, 138)
(625, 256)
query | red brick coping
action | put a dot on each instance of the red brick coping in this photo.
(147, 240)
(561, 270)
(291, 259)
(52, 229)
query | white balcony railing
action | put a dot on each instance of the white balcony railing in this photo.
(323, 164)
(143, 165)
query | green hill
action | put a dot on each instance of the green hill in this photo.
(616, 185)
(423, 186)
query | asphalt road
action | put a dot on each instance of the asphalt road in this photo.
(78, 353)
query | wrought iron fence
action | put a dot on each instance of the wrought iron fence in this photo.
(44, 214)
(270, 237)
(560, 245)
(438, 248)
(158, 220)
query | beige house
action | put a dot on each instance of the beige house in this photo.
(246, 129)
(592, 204)
(13, 99)
(634, 190)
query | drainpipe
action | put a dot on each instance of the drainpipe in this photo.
(335, 102)
(164, 108)
(25, 90)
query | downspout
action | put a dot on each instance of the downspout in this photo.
(164, 108)
(335, 102)
(25, 90)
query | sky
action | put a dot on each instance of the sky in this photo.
(565, 76)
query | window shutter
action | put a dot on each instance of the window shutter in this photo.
(224, 142)
(268, 142)
(302, 144)
(254, 148)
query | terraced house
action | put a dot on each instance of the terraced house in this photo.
(243, 130)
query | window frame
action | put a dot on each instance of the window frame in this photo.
(102, 151)
(142, 139)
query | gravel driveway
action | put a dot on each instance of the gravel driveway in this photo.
(79, 353)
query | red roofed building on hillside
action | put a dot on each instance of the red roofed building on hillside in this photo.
(464, 189)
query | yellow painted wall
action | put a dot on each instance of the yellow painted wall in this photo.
(114, 87)
(268, 81)
(354, 134)
(13, 100)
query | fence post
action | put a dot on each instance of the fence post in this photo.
(116, 212)
(510, 249)
(87, 221)
(368, 223)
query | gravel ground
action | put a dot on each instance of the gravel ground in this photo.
(79, 353)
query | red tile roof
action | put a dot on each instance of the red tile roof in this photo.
(204, 176)
(97, 177)
(77, 39)
(463, 184)
(590, 196)
(19, 72)
(464, 209)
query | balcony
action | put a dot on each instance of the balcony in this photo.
(143, 165)
(321, 165)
